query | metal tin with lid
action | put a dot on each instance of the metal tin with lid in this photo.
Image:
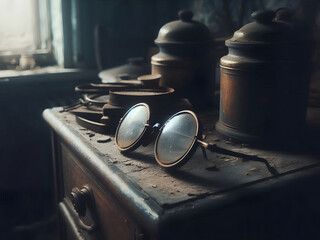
(263, 83)
(185, 60)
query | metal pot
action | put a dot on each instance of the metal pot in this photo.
(264, 83)
(185, 60)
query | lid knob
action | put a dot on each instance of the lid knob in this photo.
(264, 16)
(185, 15)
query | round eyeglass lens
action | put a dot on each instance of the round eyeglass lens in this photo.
(132, 126)
(176, 138)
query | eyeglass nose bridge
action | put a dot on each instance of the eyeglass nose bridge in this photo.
(151, 134)
(156, 127)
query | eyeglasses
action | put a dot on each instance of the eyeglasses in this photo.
(176, 140)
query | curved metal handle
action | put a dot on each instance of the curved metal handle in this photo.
(80, 200)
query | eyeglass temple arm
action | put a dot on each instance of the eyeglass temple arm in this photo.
(73, 105)
(214, 148)
(80, 102)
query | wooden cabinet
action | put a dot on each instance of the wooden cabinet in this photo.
(104, 218)
(103, 194)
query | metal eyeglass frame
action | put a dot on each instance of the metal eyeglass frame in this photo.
(149, 132)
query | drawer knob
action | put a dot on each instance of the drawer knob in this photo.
(81, 199)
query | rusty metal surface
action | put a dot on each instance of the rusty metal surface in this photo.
(199, 178)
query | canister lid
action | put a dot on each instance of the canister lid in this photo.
(264, 30)
(184, 30)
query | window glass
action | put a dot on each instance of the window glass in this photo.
(25, 34)
(17, 33)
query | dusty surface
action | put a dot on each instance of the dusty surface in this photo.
(198, 177)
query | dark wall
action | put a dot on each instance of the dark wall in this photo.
(26, 175)
(25, 150)
(129, 27)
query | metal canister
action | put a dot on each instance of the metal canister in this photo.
(185, 60)
(264, 83)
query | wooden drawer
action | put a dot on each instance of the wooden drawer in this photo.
(112, 221)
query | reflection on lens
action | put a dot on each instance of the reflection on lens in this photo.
(176, 138)
(132, 126)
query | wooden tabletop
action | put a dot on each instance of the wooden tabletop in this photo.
(198, 178)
